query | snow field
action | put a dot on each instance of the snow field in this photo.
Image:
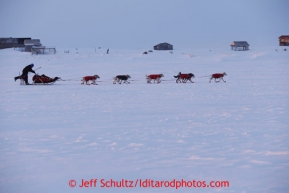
(235, 131)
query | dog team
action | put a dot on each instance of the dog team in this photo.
(182, 78)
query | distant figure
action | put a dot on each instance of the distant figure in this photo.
(107, 51)
(25, 72)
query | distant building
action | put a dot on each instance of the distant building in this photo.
(31, 43)
(239, 45)
(12, 42)
(163, 46)
(284, 40)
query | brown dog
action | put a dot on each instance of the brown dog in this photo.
(90, 78)
(155, 77)
(218, 77)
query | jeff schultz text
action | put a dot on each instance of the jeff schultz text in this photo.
(149, 183)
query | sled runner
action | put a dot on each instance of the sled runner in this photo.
(43, 79)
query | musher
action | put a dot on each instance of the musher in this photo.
(25, 72)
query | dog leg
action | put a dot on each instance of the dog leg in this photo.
(116, 80)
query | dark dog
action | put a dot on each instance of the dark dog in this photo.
(120, 78)
(184, 77)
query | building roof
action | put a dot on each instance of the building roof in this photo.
(284, 36)
(240, 43)
(32, 42)
(164, 43)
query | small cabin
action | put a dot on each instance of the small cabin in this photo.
(163, 46)
(239, 46)
(31, 43)
(284, 40)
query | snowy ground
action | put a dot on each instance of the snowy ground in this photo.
(236, 131)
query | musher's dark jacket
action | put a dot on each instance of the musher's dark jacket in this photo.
(26, 70)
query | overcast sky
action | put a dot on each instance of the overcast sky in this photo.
(145, 23)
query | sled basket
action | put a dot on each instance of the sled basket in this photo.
(43, 79)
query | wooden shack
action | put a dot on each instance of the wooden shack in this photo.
(239, 46)
(284, 40)
(12, 42)
(163, 46)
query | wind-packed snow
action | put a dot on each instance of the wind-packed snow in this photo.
(236, 131)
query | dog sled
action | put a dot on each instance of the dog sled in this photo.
(43, 79)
